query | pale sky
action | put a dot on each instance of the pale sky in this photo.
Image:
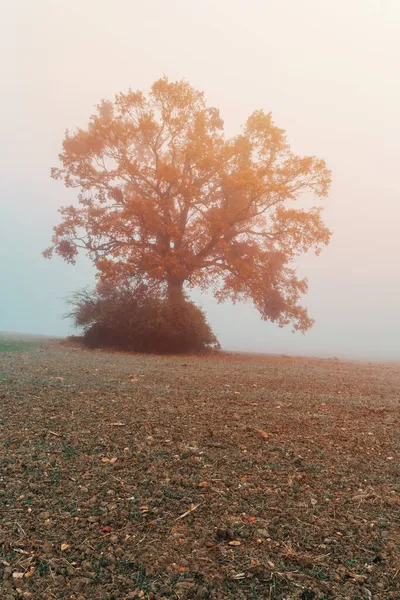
(327, 69)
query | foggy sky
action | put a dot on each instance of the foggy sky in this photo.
(327, 69)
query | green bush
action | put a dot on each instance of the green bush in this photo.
(139, 319)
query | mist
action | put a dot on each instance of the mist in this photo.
(328, 72)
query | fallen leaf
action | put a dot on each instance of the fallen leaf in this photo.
(234, 543)
(17, 575)
(30, 573)
(106, 529)
(64, 547)
(60, 378)
(358, 578)
(263, 434)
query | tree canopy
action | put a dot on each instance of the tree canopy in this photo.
(165, 197)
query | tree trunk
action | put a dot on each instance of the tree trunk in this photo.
(175, 292)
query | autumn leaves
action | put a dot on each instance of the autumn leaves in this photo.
(165, 197)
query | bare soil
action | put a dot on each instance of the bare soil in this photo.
(127, 476)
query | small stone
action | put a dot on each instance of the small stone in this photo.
(391, 546)
(110, 558)
(380, 586)
(358, 578)
(47, 547)
(224, 534)
(308, 595)
(185, 585)
(263, 533)
(78, 583)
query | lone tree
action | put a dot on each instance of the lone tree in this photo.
(166, 198)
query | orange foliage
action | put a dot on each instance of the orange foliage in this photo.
(164, 196)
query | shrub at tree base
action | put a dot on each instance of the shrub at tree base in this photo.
(140, 320)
